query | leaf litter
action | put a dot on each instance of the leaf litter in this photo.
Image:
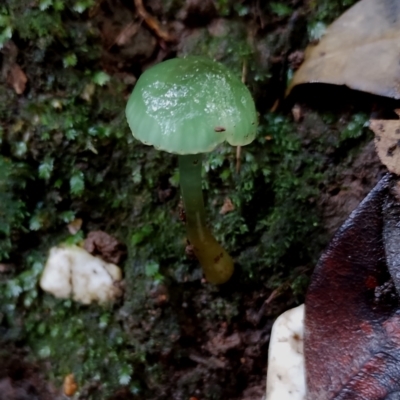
(360, 50)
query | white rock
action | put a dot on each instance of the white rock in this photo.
(286, 369)
(71, 271)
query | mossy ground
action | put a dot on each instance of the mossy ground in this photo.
(66, 153)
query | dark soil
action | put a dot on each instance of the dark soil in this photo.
(21, 380)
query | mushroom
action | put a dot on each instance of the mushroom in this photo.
(188, 106)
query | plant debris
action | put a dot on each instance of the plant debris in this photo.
(152, 22)
(359, 50)
(227, 207)
(387, 142)
(105, 246)
(13, 73)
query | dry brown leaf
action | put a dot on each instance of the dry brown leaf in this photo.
(69, 385)
(227, 206)
(104, 245)
(74, 226)
(387, 142)
(352, 320)
(360, 49)
(17, 78)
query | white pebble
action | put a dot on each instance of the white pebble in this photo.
(286, 369)
(71, 271)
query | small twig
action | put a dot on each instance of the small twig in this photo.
(260, 15)
(118, 40)
(239, 148)
(274, 294)
(274, 106)
(277, 292)
(213, 362)
(152, 22)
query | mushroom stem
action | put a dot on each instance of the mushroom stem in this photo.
(217, 264)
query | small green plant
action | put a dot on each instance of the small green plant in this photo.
(281, 9)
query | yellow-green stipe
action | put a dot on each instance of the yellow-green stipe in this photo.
(217, 264)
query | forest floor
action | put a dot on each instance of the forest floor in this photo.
(67, 155)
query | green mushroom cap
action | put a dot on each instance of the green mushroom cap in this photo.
(189, 106)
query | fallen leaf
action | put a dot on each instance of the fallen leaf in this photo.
(387, 142)
(352, 321)
(10, 70)
(17, 79)
(107, 247)
(74, 226)
(69, 385)
(360, 49)
(227, 206)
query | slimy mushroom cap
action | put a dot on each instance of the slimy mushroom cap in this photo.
(189, 106)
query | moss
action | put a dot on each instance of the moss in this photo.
(13, 182)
